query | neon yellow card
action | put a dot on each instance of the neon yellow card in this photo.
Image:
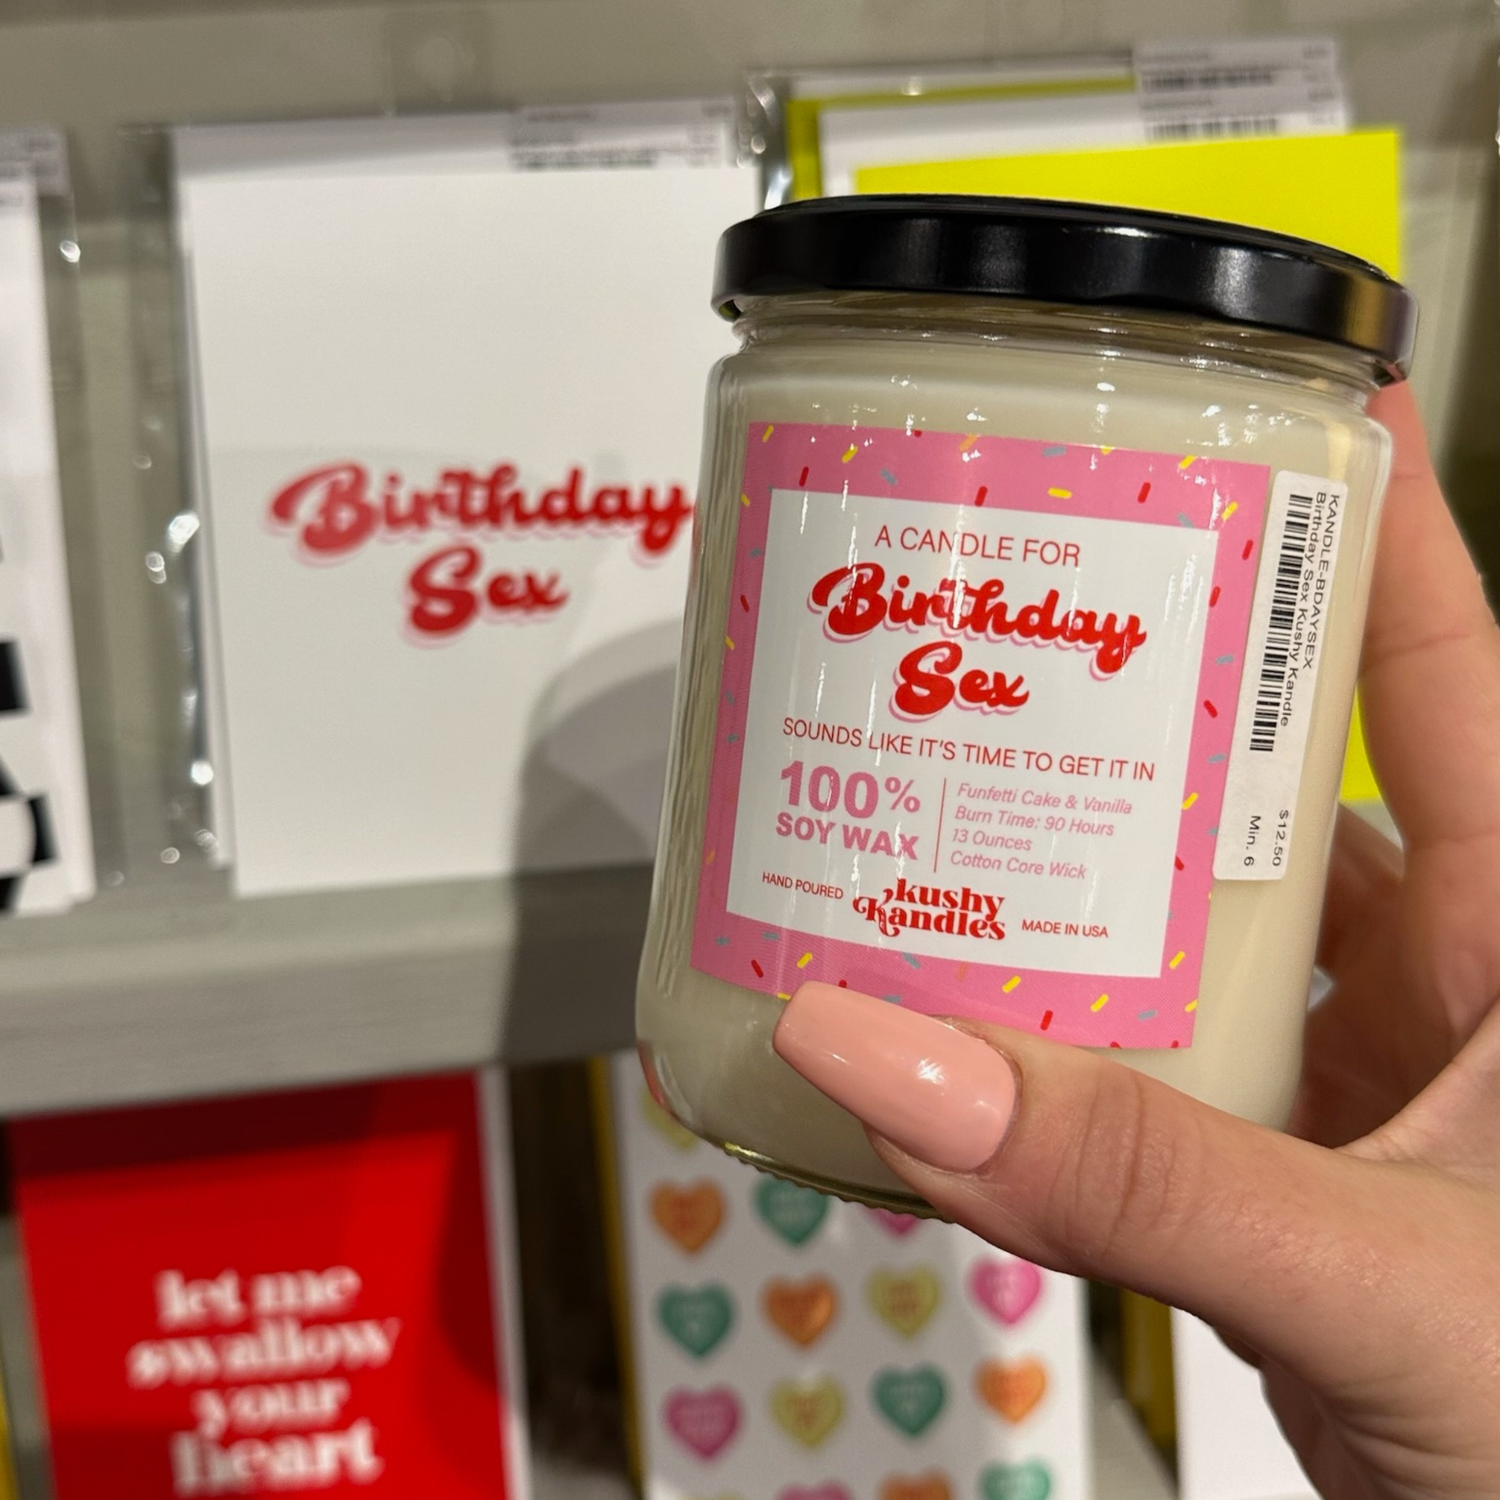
(1359, 775)
(1341, 190)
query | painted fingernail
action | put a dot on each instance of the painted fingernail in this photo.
(939, 1094)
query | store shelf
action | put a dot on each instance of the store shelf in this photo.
(186, 991)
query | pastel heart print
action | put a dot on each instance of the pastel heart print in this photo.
(704, 1422)
(697, 1318)
(829, 1491)
(930, 1486)
(808, 1410)
(801, 1309)
(898, 1225)
(1029, 1481)
(910, 1400)
(1006, 1289)
(665, 1126)
(905, 1299)
(1012, 1390)
(795, 1213)
(690, 1214)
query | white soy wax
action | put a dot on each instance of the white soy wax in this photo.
(1010, 385)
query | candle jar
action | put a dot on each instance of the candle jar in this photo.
(1032, 556)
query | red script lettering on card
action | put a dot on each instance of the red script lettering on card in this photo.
(335, 509)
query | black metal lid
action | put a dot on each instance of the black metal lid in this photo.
(1082, 255)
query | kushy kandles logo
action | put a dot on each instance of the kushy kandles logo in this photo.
(338, 508)
(906, 906)
(857, 599)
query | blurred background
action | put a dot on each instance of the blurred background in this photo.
(330, 1168)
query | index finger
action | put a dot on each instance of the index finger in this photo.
(1430, 676)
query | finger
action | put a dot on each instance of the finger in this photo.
(1453, 1122)
(1068, 1159)
(1357, 1055)
(1363, 1059)
(1430, 677)
(1241, 1350)
(1364, 870)
(1315, 1440)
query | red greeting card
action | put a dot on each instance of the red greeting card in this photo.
(288, 1294)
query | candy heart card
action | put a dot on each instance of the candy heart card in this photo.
(446, 419)
(790, 1346)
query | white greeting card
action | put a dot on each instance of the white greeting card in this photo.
(46, 847)
(447, 427)
(1228, 1444)
(791, 1346)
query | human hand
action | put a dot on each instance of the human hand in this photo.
(1357, 1265)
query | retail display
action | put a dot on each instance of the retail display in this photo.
(787, 1345)
(306, 1293)
(1031, 577)
(357, 404)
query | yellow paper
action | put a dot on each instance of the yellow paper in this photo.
(1148, 1377)
(1359, 775)
(9, 1489)
(601, 1106)
(1340, 190)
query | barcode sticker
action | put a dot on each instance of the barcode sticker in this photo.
(1283, 652)
(1293, 122)
(1208, 130)
(673, 133)
(1238, 63)
(43, 151)
(1246, 87)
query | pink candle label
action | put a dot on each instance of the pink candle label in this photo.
(977, 703)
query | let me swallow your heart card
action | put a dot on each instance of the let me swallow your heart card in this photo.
(790, 1346)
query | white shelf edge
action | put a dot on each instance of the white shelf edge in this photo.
(169, 993)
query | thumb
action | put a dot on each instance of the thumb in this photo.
(1073, 1161)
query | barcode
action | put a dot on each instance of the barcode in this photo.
(563, 157)
(1283, 654)
(1276, 656)
(1212, 78)
(1187, 130)
(547, 158)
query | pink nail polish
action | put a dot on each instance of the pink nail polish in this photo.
(939, 1094)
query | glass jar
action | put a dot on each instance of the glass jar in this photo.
(1032, 556)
